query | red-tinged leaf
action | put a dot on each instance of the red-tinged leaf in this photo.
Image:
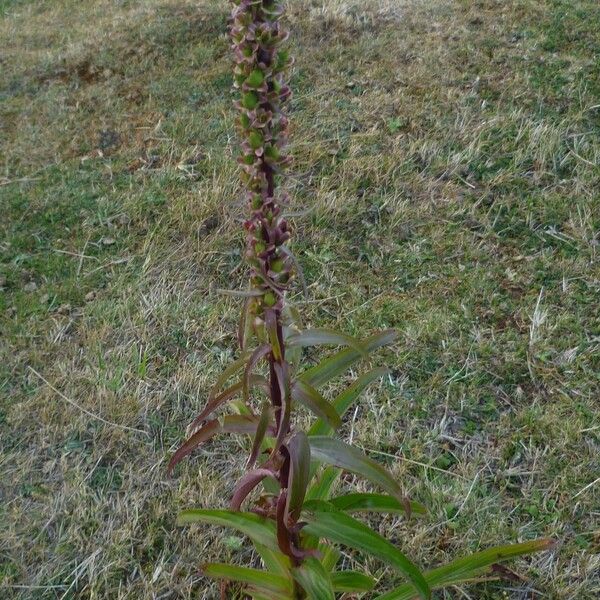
(299, 452)
(308, 396)
(297, 268)
(257, 528)
(255, 357)
(246, 484)
(314, 579)
(468, 568)
(352, 582)
(339, 454)
(261, 430)
(226, 396)
(336, 364)
(244, 424)
(244, 325)
(272, 331)
(261, 580)
(240, 293)
(379, 503)
(230, 370)
(282, 373)
(318, 337)
(340, 528)
(205, 433)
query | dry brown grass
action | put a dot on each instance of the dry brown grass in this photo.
(448, 152)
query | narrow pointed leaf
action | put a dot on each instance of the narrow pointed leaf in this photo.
(271, 327)
(319, 490)
(226, 396)
(257, 528)
(464, 569)
(246, 484)
(330, 555)
(352, 581)
(343, 529)
(246, 424)
(258, 353)
(268, 582)
(339, 454)
(342, 402)
(205, 433)
(314, 579)
(283, 379)
(336, 364)
(261, 430)
(299, 451)
(231, 370)
(274, 561)
(308, 396)
(319, 337)
(379, 503)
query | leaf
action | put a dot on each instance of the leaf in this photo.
(261, 430)
(264, 580)
(307, 395)
(257, 528)
(464, 569)
(274, 561)
(205, 433)
(352, 581)
(320, 488)
(362, 502)
(339, 454)
(256, 355)
(226, 395)
(231, 370)
(244, 424)
(246, 484)
(299, 451)
(343, 529)
(318, 337)
(336, 364)
(314, 579)
(281, 371)
(342, 402)
(272, 331)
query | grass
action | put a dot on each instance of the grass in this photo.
(449, 153)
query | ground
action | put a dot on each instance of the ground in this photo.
(447, 184)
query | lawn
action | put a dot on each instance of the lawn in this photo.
(447, 184)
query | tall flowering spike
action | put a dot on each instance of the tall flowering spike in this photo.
(259, 75)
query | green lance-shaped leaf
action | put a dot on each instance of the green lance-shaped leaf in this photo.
(339, 454)
(336, 364)
(271, 327)
(469, 567)
(352, 581)
(314, 579)
(267, 582)
(343, 402)
(274, 561)
(379, 503)
(318, 337)
(322, 484)
(299, 452)
(343, 529)
(308, 396)
(257, 528)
